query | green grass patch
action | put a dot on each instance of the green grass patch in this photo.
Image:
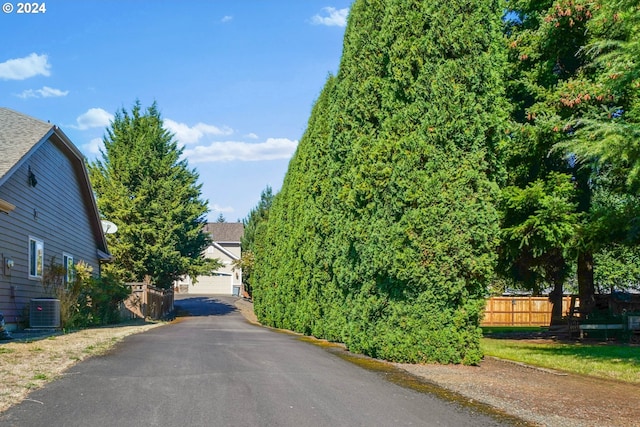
(618, 362)
(6, 350)
(40, 376)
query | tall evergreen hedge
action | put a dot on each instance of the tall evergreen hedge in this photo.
(383, 234)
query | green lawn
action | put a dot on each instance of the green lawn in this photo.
(619, 362)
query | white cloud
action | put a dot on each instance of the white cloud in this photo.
(94, 146)
(333, 17)
(218, 208)
(24, 68)
(45, 92)
(93, 118)
(226, 19)
(251, 136)
(271, 149)
(190, 135)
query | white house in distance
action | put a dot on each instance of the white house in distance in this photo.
(226, 238)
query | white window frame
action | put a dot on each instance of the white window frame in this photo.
(69, 268)
(36, 258)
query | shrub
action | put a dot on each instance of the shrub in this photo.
(383, 235)
(86, 300)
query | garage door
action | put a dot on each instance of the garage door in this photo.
(220, 284)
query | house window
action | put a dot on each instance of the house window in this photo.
(69, 270)
(36, 258)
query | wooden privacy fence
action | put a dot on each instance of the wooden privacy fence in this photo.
(147, 301)
(521, 311)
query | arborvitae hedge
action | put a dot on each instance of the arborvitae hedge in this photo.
(383, 234)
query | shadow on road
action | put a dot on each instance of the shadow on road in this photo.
(202, 306)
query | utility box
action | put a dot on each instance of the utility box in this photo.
(44, 313)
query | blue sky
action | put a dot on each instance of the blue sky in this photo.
(235, 80)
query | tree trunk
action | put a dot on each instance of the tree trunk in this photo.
(556, 300)
(586, 287)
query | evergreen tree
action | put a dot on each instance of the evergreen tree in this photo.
(294, 287)
(544, 43)
(383, 234)
(144, 187)
(605, 100)
(539, 227)
(574, 83)
(255, 221)
(609, 134)
(618, 268)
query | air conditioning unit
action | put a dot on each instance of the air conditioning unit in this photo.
(44, 313)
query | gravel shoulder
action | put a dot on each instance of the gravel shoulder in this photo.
(540, 396)
(537, 396)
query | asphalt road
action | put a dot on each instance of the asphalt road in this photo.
(213, 368)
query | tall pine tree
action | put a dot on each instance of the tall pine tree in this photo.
(574, 86)
(144, 187)
(548, 199)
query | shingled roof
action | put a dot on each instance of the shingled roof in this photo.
(225, 231)
(19, 134)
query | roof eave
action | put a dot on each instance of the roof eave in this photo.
(226, 252)
(17, 165)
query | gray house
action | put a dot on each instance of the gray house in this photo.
(226, 280)
(47, 210)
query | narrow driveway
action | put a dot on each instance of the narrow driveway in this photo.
(212, 368)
